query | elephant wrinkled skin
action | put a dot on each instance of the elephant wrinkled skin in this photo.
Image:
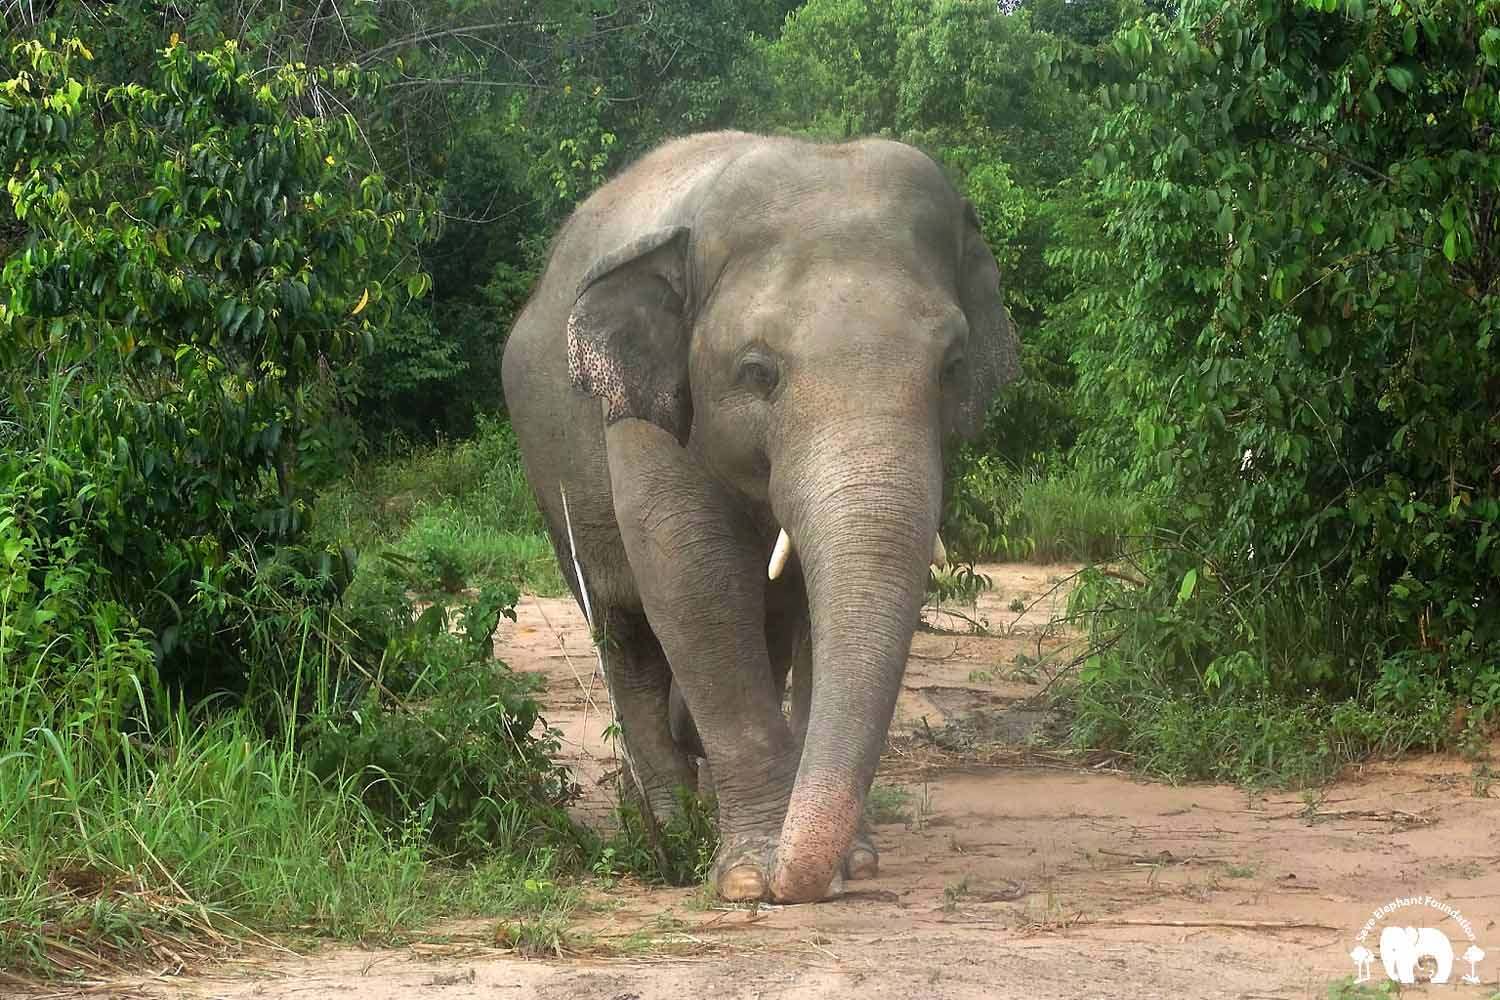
(741, 336)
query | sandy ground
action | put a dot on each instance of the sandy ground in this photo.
(1005, 872)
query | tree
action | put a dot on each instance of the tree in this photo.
(1293, 342)
(199, 269)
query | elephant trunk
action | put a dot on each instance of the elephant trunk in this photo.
(862, 509)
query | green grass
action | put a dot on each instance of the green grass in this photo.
(201, 831)
(1260, 688)
(1040, 513)
(445, 516)
(376, 768)
(193, 828)
(888, 804)
(1071, 517)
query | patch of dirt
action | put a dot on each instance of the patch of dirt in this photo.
(1013, 870)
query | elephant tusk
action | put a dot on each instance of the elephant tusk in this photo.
(779, 555)
(783, 551)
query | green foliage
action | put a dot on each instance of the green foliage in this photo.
(1040, 513)
(1294, 344)
(197, 263)
(960, 584)
(193, 273)
(440, 518)
(177, 828)
(443, 737)
(888, 804)
(688, 840)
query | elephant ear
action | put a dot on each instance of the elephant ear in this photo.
(993, 351)
(628, 332)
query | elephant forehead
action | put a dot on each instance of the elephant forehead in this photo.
(802, 229)
(811, 202)
(789, 301)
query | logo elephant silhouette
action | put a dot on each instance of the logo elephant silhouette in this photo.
(1402, 947)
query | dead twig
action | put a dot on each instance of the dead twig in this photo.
(1244, 925)
(939, 659)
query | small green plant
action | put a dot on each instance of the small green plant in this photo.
(952, 894)
(957, 584)
(544, 934)
(888, 804)
(682, 855)
(444, 730)
(1348, 989)
(1025, 667)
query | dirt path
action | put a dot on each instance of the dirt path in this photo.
(1004, 872)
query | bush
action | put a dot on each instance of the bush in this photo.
(444, 517)
(1292, 343)
(443, 736)
(679, 852)
(1042, 512)
(197, 262)
(195, 268)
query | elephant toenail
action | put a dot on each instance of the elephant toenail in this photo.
(742, 883)
(863, 863)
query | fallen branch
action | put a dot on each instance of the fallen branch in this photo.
(1247, 925)
(1379, 815)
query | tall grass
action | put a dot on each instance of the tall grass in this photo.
(115, 831)
(1197, 676)
(446, 516)
(1040, 512)
(355, 751)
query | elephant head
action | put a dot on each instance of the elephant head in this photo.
(814, 330)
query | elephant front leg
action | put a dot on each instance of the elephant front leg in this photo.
(699, 570)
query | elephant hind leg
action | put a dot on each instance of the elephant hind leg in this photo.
(640, 684)
(684, 729)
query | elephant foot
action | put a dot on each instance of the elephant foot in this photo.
(742, 872)
(862, 861)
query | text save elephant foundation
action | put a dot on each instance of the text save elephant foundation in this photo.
(738, 337)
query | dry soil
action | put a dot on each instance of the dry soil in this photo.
(1006, 871)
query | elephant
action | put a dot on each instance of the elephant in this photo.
(1401, 947)
(733, 388)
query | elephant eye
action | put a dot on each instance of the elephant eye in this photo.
(758, 374)
(953, 368)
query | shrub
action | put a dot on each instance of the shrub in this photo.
(1291, 339)
(444, 736)
(1042, 512)
(196, 264)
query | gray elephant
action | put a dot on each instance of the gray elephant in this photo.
(741, 368)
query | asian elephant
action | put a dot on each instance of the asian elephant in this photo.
(748, 354)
